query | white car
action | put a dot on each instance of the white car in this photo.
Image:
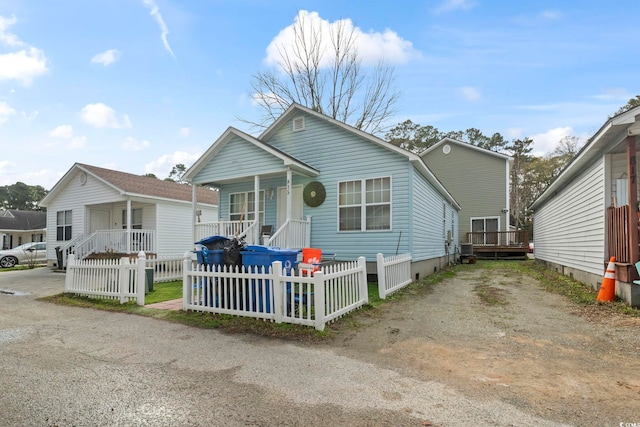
(29, 253)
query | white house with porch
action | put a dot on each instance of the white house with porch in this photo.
(93, 212)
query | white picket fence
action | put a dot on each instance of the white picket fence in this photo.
(275, 294)
(394, 273)
(122, 279)
(166, 268)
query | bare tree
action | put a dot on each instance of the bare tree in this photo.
(326, 77)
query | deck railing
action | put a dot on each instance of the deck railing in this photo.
(507, 239)
(221, 228)
(116, 242)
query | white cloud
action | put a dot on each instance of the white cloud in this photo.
(470, 93)
(62, 131)
(5, 112)
(77, 142)
(184, 132)
(451, 5)
(23, 65)
(372, 47)
(103, 116)
(132, 144)
(107, 57)
(164, 30)
(550, 15)
(545, 143)
(163, 165)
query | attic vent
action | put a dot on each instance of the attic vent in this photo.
(298, 124)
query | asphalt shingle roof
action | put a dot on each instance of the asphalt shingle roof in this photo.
(18, 220)
(149, 186)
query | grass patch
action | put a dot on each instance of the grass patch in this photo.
(165, 291)
(21, 267)
(490, 295)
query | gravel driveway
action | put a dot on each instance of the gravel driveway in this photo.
(440, 358)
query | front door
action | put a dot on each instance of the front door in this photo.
(296, 204)
(485, 230)
(99, 219)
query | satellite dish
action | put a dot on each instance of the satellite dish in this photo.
(314, 194)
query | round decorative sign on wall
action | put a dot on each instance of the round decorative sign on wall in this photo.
(314, 194)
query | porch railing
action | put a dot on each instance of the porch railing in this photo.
(507, 239)
(221, 228)
(294, 233)
(117, 242)
(618, 233)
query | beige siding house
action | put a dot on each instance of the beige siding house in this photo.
(479, 181)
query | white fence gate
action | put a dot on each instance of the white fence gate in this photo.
(122, 279)
(275, 294)
(394, 273)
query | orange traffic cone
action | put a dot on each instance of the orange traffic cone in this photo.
(607, 290)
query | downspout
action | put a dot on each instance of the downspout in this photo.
(194, 204)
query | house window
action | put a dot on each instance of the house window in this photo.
(63, 225)
(365, 205)
(136, 219)
(242, 206)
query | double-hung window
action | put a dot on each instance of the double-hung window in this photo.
(136, 219)
(63, 225)
(242, 206)
(364, 205)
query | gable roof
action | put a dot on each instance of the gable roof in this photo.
(295, 108)
(137, 185)
(18, 220)
(228, 135)
(614, 131)
(448, 140)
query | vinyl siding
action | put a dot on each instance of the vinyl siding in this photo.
(174, 230)
(342, 156)
(429, 227)
(74, 197)
(477, 180)
(570, 228)
(238, 159)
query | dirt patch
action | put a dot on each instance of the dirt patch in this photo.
(499, 335)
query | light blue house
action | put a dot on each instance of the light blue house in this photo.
(324, 184)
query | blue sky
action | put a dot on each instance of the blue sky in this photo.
(141, 85)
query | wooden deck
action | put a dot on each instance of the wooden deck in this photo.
(500, 244)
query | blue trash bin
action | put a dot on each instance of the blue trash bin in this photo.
(211, 253)
(263, 256)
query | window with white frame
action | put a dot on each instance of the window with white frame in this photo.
(364, 205)
(63, 225)
(136, 219)
(242, 205)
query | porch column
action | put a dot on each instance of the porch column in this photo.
(256, 209)
(289, 192)
(128, 226)
(194, 203)
(633, 199)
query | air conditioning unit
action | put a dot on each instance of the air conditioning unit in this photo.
(466, 249)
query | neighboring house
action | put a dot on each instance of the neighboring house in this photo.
(324, 184)
(95, 210)
(18, 227)
(479, 180)
(588, 213)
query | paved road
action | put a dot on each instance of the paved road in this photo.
(65, 366)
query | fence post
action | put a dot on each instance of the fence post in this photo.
(318, 299)
(364, 287)
(124, 281)
(187, 286)
(277, 279)
(68, 280)
(142, 277)
(382, 285)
